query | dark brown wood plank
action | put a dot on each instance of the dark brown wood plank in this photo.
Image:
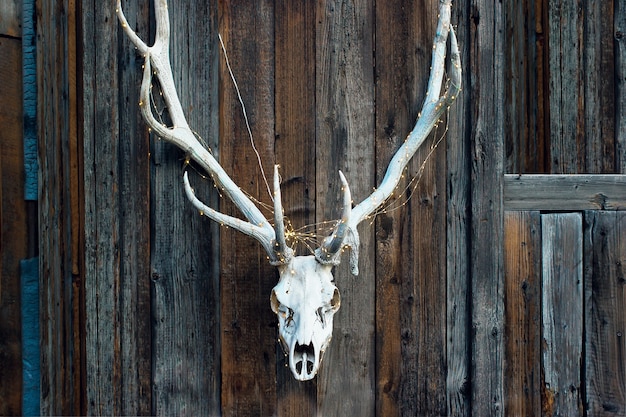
(562, 313)
(248, 374)
(295, 152)
(566, 87)
(11, 18)
(565, 192)
(599, 85)
(605, 298)
(184, 265)
(619, 27)
(458, 220)
(345, 129)
(522, 263)
(13, 236)
(486, 65)
(422, 230)
(61, 325)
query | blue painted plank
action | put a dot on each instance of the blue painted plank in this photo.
(29, 74)
(29, 270)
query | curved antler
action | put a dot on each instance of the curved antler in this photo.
(157, 63)
(433, 108)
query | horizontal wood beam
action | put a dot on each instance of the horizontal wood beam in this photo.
(564, 192)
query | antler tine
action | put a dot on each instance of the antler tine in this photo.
(157, 62)
(328, 252)
(283, 252)
(433, 108)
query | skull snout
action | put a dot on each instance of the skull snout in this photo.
(304, 361)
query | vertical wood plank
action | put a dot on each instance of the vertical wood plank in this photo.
(186, 364)
(13, 238)
(619, 28)
(248, 375)
(487, 286)
(562, 311)
(566, 87)
(61, 298)
(458, 219)
(605, 297)
(522, 265)
(295, 152)
(599, 87)
(345, 128)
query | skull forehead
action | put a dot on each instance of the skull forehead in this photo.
(303, 279)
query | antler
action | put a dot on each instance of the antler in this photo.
(157, 63)
(434, 106)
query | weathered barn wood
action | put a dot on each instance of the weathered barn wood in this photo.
(605, 301)
(13, 233)
(562, 312)
(150, 308)
(522, 263)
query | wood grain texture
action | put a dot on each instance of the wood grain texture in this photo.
(605, 301)
(565, 192)
(487, 287)
(11, 18)
(619, 28)
(295, 143)
(522, 263)
(13, 236)
(248, 375)
(345, 129)
(61, 325)
(562, 313)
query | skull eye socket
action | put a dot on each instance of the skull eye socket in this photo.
(281, 310)
(335, 302)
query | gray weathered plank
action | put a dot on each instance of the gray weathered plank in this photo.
(487, 159)
(566, 88)
(248, 374)
(522, 263)
(619, 34)
(185, 291)
(562, 312)
(345, 129)
(605, 322)
(565, 192)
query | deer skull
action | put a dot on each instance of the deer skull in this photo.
(305, 301)
(305, 298)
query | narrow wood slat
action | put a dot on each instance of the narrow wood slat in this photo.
(566, 87)
(565, 192)
(522, 263)
(295, 152)
(13, 238)
(619, 27)
(458, 220)
(562, 313)
(345, 128)
(487, 286)
(605, 299)
(248, 326)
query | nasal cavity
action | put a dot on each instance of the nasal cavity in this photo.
(305, 356)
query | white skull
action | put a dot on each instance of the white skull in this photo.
(305, 300)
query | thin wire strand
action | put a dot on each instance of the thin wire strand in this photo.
(245, 116)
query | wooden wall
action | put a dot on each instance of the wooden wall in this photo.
(466, 302)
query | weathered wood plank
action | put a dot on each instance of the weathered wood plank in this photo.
(345, 129)
(566, 87)
(185, 351)
(605, 300)
(13, 239)
(599, 87)
(295, 152)
(562, 313)
(522, 264)
(619, 34)
(11, 18)
(248, 375)
(62, 388)
(487, 286)
(458, 266)
(565, 192)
